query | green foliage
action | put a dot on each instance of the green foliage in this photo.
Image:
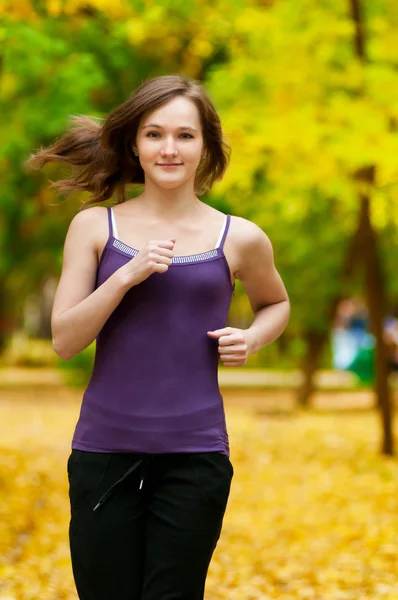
(299, 110)
(67, 59)
(77, 371)
(302, 115)
(25, 351)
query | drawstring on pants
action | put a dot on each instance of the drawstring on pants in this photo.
(146, 463)
(111, 490)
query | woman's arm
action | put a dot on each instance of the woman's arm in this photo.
(265, 290)
(79, 310)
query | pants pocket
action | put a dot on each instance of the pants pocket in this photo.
(213, 473)
(86, 471)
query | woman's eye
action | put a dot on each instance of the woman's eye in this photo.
(156, 133)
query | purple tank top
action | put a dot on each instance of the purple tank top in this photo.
(154, 385)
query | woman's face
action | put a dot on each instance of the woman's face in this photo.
(170, 135)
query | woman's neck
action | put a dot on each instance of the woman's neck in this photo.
(173, 203)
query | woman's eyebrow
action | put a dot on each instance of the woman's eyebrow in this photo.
(160, 127)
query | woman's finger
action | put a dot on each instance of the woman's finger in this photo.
(233, 349)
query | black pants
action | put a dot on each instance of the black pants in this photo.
(144, 527)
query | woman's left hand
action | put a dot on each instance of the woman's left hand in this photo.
(233, 345)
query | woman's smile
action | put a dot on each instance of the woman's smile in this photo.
(169, 165)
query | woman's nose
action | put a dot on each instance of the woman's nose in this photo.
(169, 147)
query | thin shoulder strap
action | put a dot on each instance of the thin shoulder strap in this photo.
(112, 223)
(108, 208)
(223, 233)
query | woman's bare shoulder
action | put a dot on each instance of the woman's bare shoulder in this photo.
(90, 225)
(246, 233)
(90, 215)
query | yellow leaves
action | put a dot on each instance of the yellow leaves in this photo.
(22, 9)
(154, 13)
(115, 9)
(54, 7)
(136, 31)
(319, 113)
(34, 553)
(26, 9)
(303, 520)
(312, 513)
(9, 85)
(201, 47)
(384, 47)
(251, 17)
(385, 207)
(351, 77)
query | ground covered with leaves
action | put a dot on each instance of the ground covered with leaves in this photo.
(312, 515)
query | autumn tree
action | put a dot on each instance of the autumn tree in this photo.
(311, 123)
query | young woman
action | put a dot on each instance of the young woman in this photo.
(151, 280)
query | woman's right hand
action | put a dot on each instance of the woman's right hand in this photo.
(154, 257)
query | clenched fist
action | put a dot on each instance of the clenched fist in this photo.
(154, 257)
(233, 346)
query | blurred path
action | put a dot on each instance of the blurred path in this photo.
(267, 392)
(247, 378)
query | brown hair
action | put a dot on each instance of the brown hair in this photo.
(101, 154)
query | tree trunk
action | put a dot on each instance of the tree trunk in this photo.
(6, 320)
(374, 284)
(317, 340)
(374, 288)
(315, 344)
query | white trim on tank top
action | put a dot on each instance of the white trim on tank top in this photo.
(116, 235)
(221, 232)
(114, 228)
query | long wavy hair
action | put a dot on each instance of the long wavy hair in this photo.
(100, 151)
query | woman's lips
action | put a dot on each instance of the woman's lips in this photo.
(169, 166)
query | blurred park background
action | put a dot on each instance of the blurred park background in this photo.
(308, 96)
